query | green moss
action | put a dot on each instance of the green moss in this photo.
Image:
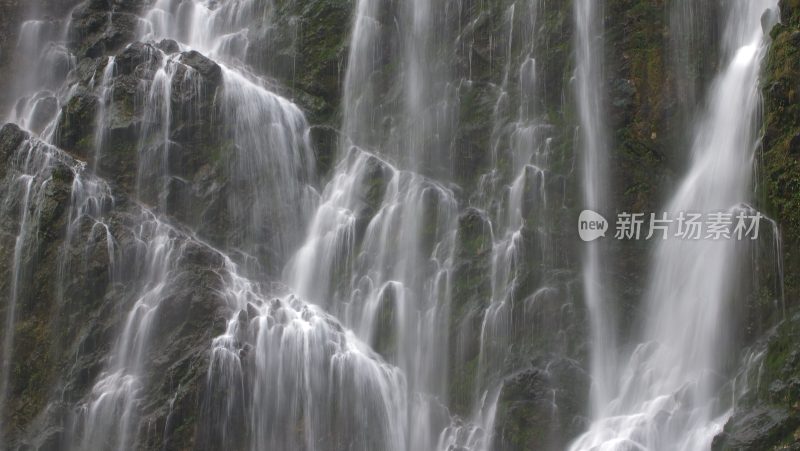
(639, 93)
(782, 365)
(462, 386)
(76, 125)
(33, 370)
(781, 144)
(471, 279)
(768, 417)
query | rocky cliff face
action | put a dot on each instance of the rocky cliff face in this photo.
(769, 416)
(96, 213)
(69, 299)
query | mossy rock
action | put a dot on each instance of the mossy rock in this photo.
(542, 408)
(780, 151)
(76, 126)
(768, 417)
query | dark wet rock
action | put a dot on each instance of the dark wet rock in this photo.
(474, 132)
(623, 93)
(206, 67)
(86, 70)
(252, 310)
(33, 369)
(242, 317)
(43, 112)
(374, 180)
(70, 320)
(9, 28)
(384, 337)
(305, 46)
(192, 98)
(471, 296)
(474, 249)
(97, 32)
(52, 220)
(647, 112)
(136, 54)
(542, 408)
(168, 46)
(794, 145)
(325, 141)
(756, 429)
(88, 20)
(781, 86)
(77, 125)
(201, 257)
(11, 136)
(196, 145)
(768, 415)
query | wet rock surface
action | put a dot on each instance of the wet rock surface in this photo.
(67, 325)
(542, 407)
(304, 49)
(768, 417)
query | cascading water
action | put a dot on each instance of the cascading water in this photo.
(381, 264)
(666, 395)
(108, 419)
(516, 204)
(419, 296)
(106, 101)
(414, 126)
(324, 367)
(46, 63)
(378, 253)
(300, 367)
(273, 157)
(593, 142)
(26, 184)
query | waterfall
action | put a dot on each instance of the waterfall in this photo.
(693, 35)
(515, 207)
(379, 250)
(593, 141)
(105, 100)
(109, 415)
(274, 165)
(273, 157)
(284, 361)
(413, 124)
(206, 273)
(25, 185)
(300, 367)
(39, 82)
(666, 394)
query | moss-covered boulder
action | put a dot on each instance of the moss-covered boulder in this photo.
(80, 270)
(768, 416)
(304, 46)
(76, 125)
(781, 143)
(101, 27)
(542, 408)
(471, 296)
